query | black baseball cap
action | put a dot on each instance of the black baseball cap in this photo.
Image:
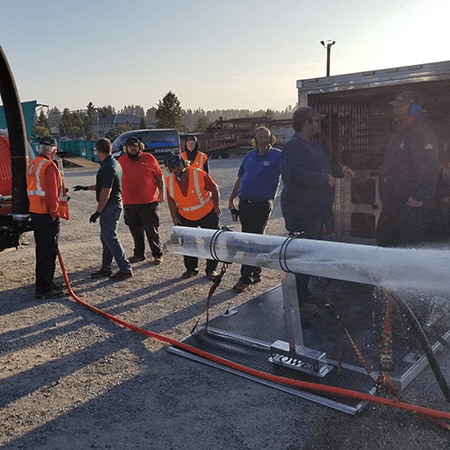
(173, 160)
(406, 98)
(48, 140)
(132, 140)
(305, 113)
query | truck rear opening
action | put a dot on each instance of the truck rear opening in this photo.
(358, 123)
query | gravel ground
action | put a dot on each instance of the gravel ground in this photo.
(70, 379)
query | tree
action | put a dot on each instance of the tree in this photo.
(202, 124)
(54, 117)
(143, 124)
(169, 113)
(132, 110)
(269, 114)
(106, 111)
(91, 110)
(150, 114)
(116, 132)
(42, 126)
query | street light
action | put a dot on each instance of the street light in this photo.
(327, 45)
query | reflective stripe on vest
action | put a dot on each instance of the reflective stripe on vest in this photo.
(37, 177)
(39, 190)
(35, 188)
(199, 161)
(203, 197)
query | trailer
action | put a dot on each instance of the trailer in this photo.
(358, 123)
(223, 138)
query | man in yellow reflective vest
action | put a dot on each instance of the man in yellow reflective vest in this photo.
(193, 199)
(48, 203)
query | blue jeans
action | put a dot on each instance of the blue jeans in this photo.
(112, 248)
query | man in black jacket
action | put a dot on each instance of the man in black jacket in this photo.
(408, 175)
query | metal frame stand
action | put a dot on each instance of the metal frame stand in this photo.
(294, 354)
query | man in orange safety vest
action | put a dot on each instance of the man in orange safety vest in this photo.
(48, 203)
(193, 199)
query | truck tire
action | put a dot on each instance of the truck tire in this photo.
(225, 155)
(214, 155)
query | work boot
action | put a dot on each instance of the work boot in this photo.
(240, 286)
(157, 260)
(190, 273)
(52, 293)
(212, 274)
(119, 276)
(256, 278)
(136, 258)
(101, 274)
(308, 309)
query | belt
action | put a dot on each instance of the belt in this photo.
(247, 200)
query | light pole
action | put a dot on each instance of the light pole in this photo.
(327, 45)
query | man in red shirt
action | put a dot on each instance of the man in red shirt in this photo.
(194, 200)
(142, 191)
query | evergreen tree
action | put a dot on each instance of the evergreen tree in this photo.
(150, 114)
(143, 124)
(42, 126)
(202, 124)
(169, 113)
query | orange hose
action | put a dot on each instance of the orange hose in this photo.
(429, 413)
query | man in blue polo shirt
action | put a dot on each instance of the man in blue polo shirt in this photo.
(256, 185)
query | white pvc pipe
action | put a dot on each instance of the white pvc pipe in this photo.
(425, 270)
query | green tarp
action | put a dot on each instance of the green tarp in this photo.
(28, 109)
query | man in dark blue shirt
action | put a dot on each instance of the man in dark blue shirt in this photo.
(108, 190)
(308, 189)
(256, 185)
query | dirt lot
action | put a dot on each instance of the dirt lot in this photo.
(70, 379)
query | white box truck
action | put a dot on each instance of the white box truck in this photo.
(357, 125)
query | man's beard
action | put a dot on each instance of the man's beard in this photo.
(134, 157)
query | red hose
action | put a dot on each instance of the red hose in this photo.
(429, 413)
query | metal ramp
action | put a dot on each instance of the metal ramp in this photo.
(246, 335)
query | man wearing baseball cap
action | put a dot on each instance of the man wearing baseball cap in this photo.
(408, 174)
(142, 192)
(308, 192)
(194, 201)
(48, 203)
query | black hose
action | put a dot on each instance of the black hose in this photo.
(424, 343)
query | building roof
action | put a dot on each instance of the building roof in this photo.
(119, 119)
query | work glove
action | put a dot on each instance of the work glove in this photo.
(94, 217)
(80, 188)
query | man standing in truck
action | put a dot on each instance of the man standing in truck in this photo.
(408, 175)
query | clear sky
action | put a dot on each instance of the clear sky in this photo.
(240, 54)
